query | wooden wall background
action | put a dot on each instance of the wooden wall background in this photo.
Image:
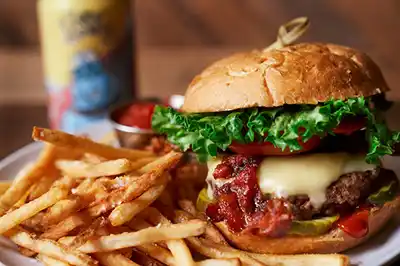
(177, 38)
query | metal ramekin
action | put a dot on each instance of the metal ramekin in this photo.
(134, 137)
(129, 136)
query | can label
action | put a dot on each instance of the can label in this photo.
(88, 60)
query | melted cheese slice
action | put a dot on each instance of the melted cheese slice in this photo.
(210, 180)
(309, 175)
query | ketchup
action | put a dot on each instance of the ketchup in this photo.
(355, 225)
(138, 115)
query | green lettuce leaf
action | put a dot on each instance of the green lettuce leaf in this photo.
(385, 194)
(208, 133)
(313, 227)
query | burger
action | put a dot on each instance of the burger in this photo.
(293, 140)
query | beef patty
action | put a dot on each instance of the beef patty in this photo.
(342, 196)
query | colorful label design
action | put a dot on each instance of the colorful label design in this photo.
(87, 55)
(93, 89)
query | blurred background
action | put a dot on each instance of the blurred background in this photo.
(175, 39)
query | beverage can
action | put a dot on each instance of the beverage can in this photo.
(87, 56)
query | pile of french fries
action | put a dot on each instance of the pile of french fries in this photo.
(87, 203)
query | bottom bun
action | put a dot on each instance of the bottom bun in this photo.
(332, 242)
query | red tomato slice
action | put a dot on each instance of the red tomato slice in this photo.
(349, 125)
(355, 225)
(267, 148)
(138, 115)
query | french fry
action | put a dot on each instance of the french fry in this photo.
(219, 262)
(32, 173)
(67, 240)
(113, 259)
(302, 260)
(177, 247)
(145, 260)
(26, 252)
(50, 248)
(23, 199)
(138, 223)
(126, 211)
(138, 187)
(159, 253)
(80, 169)
(180, 251)
(139, 163)
(43, 185)
(134, 190)
(159, 161)
(84, 188)
(89, 232)
(28, 210)
(218, 251)
(66, 140)
(187, 206)
(145, 236)
(211, 232)
(22, 182)
(115, 198)
(92, 158)
(49, 261)
(64, 227)
(126, 252)
(4, 185)
(109, 138)
(59, 211)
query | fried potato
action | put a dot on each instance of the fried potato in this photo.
(113, 259)
(49, 261)
(126, 211)
(159, 161)
(66, 140)
(177, 247)
(159, 253)
(50, 248)
(187, 206)
(145, 236)
(218, 251)
(4, 185)
(80, 169)
(91, 231)
(32, 173)
(115, 198)
(219, 262)
(43, 185)
(61, 210)
(28, 210)
(23, 199)
(84, 188)
(92, 158)
(145, 260)
(22, 183)
(66, 226)
(26, 252)
(211, 232)
(137, 187)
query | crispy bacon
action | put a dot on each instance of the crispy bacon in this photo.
(241, 204)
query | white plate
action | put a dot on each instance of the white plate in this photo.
(377, 251)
